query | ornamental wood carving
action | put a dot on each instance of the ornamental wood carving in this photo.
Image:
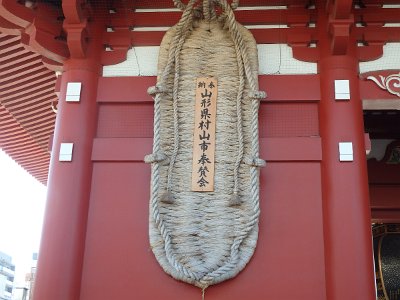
(390, 83)
(39, 26)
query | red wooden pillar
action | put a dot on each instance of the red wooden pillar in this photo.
(347, 228)
(63, 240)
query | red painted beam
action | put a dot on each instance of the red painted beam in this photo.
(243, 3)
(42, 35)
(43, 122)
(25, 81)
(10, 47)
(370, 52)
(342, 9)
(377, 34)
(384, 196)
(385, 216)
(16, 13)
(11, 144)
(377, 15)
(39, 27)
(340, 34)
(9, 94)
(34, 108)
(380, 2)
(134, 89)
(22, 71)
(73, 12)
(125, 37)
(381, 173)
(23, 58)
(284, 35)
(385, 206)
(114, 57)
(9, 27)
(31, 104)
(245, 17)
(29, 94)
(272, 149)
(304, 53)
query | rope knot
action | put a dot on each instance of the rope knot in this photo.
(197, 13)
(257, 95)
(156, 157)
(157, 89)
(235, 200)
(254, 161)
(167, 198)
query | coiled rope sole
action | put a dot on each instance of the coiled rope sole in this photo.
(184, 230)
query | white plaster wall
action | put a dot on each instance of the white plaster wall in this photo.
(278, 59)
(273, 59)
(141, 61)
(389, 60)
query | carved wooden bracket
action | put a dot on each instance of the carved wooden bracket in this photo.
(38, 25)
(390, 83)
(8, 27)
(77, 39)
(394, 158)
(41, 35)
(340, 35)
(114, 57)
(340, 22)
(73, 11)
(52, 65)
(392, 154)
(16, 13)
(75, 25)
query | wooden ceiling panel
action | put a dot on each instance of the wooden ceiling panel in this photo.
(26, 117)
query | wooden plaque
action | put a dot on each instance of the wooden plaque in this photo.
(204, 135)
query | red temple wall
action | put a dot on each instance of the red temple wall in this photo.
(290, 261)
(290, 245)
(289, 258)
(315, 237)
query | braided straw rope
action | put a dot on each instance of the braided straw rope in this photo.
(205, 238)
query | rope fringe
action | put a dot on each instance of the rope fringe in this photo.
(157, 89)
(156, 158)
(258, 95)
(255, 162)
(167, 197)
(235, 200)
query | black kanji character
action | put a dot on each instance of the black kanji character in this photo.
(204, 146)
(205, 114)
(202, 182)
(204, 159)
(202, 170)
(204, 124)
(206, 94)
(204, 136)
